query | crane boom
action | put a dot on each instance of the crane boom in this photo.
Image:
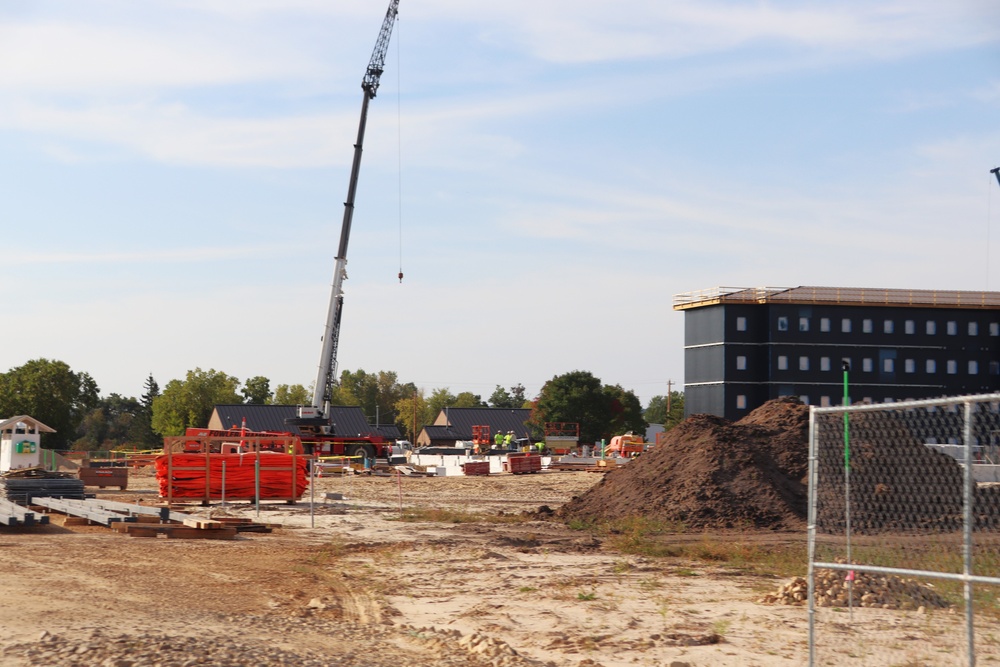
(326, 378)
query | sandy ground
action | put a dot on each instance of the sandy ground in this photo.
(349, 584)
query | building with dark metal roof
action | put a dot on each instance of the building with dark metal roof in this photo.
(348, 420)
(745, 346)
(454, 424)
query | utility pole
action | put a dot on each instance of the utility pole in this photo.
(670, 383)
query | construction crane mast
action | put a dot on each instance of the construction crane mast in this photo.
(316, 419)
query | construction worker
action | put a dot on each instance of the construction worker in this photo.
(507, 439)
(498, 440)
(541, 446)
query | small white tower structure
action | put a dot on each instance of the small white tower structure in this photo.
(20, 442)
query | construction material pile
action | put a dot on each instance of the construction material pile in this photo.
(713, 473)
(868, 590)
(281, 476)
(21, 486)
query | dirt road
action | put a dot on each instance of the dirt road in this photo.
(348, 583)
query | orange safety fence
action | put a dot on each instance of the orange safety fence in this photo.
(184, 476)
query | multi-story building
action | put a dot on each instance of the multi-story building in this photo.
(745, 346)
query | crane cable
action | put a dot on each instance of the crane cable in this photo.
(399, 147)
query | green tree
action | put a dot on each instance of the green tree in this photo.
(625, 411)
(190, 402)
(656, 411)
(109, 425)
(467, 399)
(257, 390)
(376, 393)
(580, 397)
(141, 433)
(440, 399)
(292, 394)
(51, 393)
(413, 413)
(501, 398)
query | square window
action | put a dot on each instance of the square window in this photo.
(782, 324)
(867, 365)
(741, 324)
(952, 367)
(995, 368)
(910, 327)
(973, 367)
(845, 325)
(741, 363)
(995, 328)
(931, 327)
(824, 363)
(741, 402)
(845, 363)
(824, 324)
(782, 363)
(973, 328)
(910, 366)
(931, 366)
(952, 327)
(824, 401)
(866, 326)
(888, 365)
(803, 363)
(804, 398)
(803, 324)
(887, 326)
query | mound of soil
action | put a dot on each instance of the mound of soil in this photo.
(713, 473)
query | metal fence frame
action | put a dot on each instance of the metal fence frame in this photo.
(967, 519)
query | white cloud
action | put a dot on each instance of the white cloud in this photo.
(94, 59)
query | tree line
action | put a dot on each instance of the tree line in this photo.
(70, 402)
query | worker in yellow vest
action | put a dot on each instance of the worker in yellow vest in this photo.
(498, 440)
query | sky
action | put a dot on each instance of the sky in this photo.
(547, 176)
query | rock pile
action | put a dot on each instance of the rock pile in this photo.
(869, 590)
(712, 473)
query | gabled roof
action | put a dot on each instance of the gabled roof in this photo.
(38, 426)
(442, 433)
(389, 431)
(348, 420)
(498, 419)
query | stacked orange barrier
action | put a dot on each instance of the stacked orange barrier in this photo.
(183, 476)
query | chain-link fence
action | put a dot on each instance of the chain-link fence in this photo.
(904, 565)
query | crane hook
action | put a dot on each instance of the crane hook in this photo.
(400, 276)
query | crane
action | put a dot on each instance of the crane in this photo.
(315, 419)
(996, 172)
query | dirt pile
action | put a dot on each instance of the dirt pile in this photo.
(713, 473)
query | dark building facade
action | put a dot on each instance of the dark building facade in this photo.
(745, 346)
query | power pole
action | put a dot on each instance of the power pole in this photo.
(670, 383)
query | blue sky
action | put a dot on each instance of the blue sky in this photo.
(549, 175)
